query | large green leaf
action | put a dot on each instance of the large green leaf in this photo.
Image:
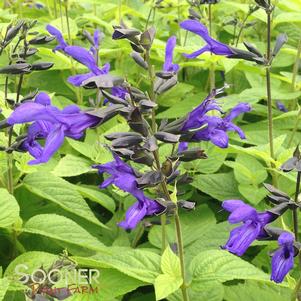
(9, 209)
(220, 186)
(254, 291)
(63, 230)
(71, 165)
(139, 264)
(61, 192)
(222, 266)
(94, 194)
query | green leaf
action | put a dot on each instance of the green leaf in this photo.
(222, 266)
(32, 260)
(249, 170)
(193, 227)
(9, 209)
(64, 230)
(112, 283)
(253, 194)
(216, 158)
(61, 192)
(71, 166)
(171, 279)
(139, 264)
(222, 186)
(95, 195)
(254, 291)
(4, 284)
(182, 108)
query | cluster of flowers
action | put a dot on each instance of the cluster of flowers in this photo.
(255, 225)
(52, 125)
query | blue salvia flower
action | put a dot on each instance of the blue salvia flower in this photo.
(252, 227)
(168, 65)
(82, 55)
(283, 257)
(281, 107)
(51, 124)
(213, 128)
(212, 45)
(124, 177)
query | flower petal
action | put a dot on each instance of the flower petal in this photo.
(53, 142)
(83, 56)
(133, 216)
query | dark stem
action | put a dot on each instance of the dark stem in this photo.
(295, 211)
(212, 65)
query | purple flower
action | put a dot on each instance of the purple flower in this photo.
(283, 257)
(252, 226)
(51, 124)
(281, 107)
(212, 45)
(123, 176)
(170, 46)
(213, 128)
(59, 37)
(85, 57)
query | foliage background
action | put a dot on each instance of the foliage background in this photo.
(58, 206)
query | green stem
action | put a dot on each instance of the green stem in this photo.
(55, 8)
(296, 66)
(179, 18)
(61, 15)
(268, 83)
(296, 290)
(67, 21)
(138, 236)
(242, 28)
(119, 11)
(181, 256)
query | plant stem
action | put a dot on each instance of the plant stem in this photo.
(296, 290)
(152, 95)
(295, 211)
(179, 17)
(181, 255)
(148, 18)
(55, 8)
(296, 66)
(61, 15)
(67, 22)
(242, 27)
(212, 67)
(268, 82)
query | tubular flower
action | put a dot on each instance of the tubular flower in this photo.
(212, 45)
(170, 46)
(123, 176)
(283, 257)
(81, 55)
(213, 128)
(51, 124)
(252, 226)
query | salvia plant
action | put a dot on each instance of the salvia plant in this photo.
(150, 150)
